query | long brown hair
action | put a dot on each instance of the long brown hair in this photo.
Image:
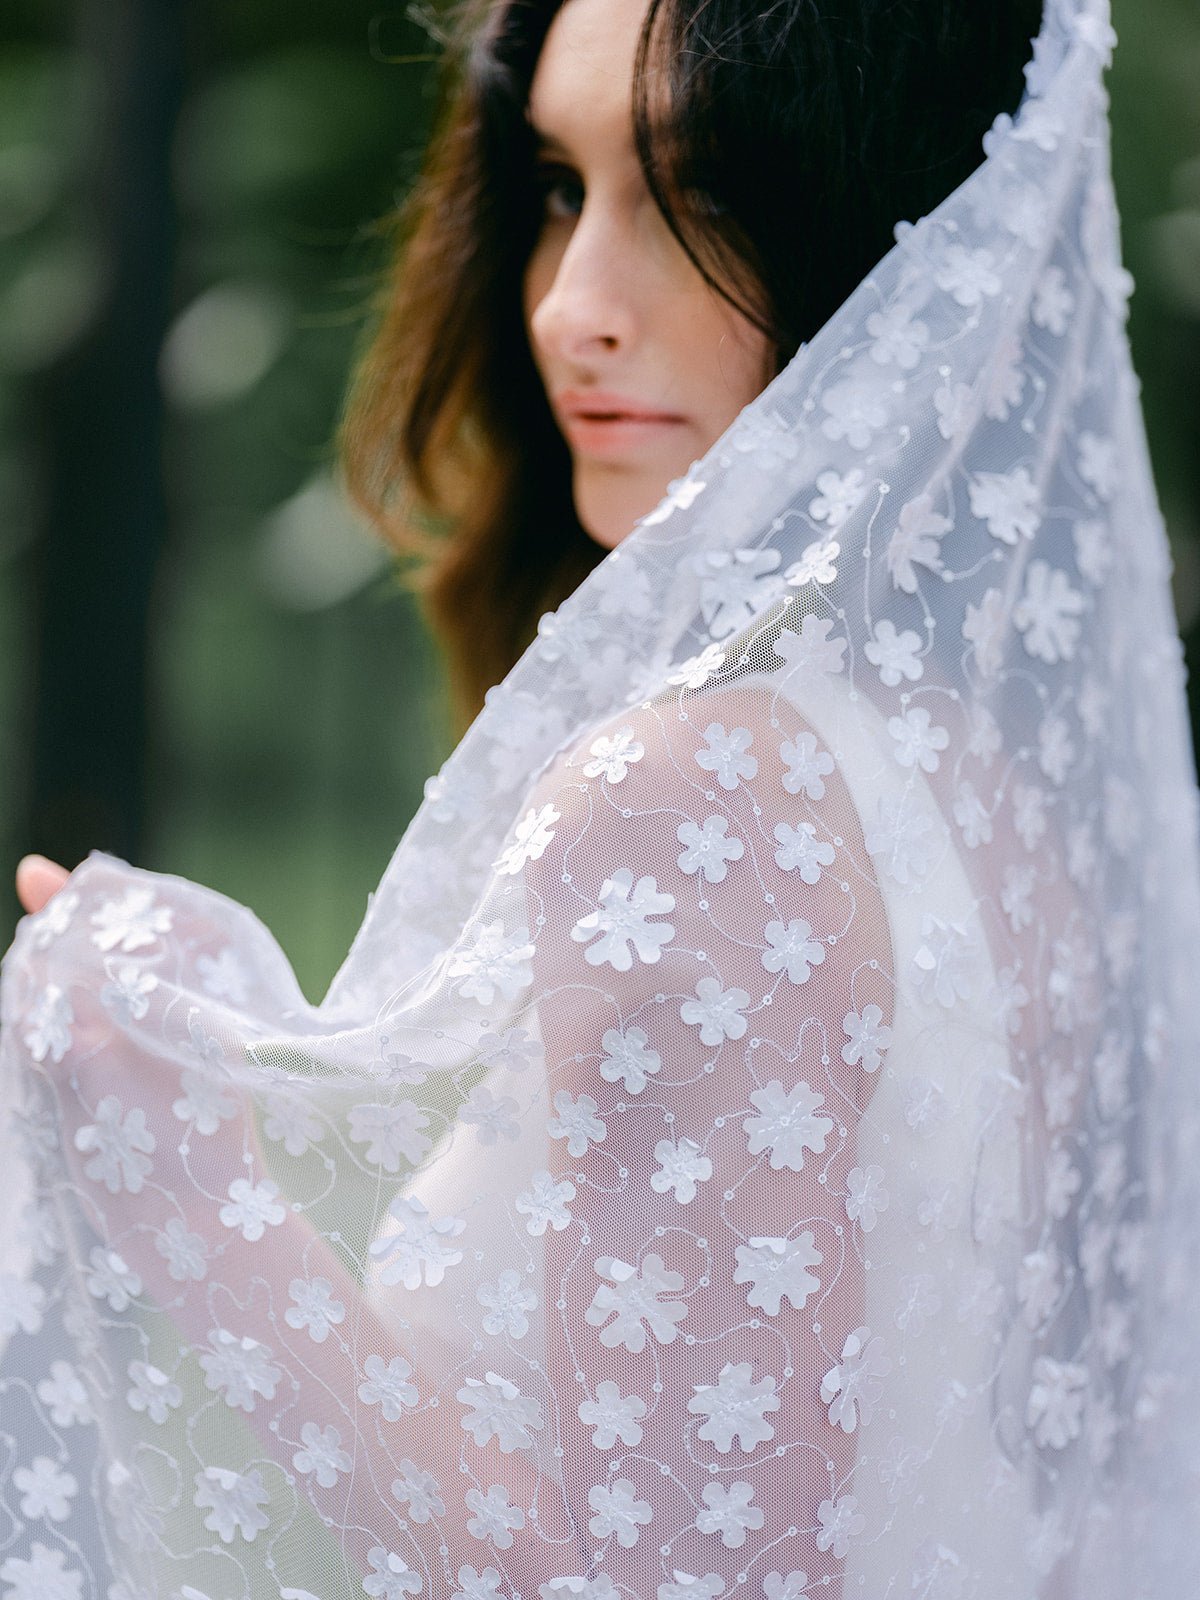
(797, 136)
(447, 441)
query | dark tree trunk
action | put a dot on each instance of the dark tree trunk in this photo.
(98, 428)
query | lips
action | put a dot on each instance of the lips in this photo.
(613, 426)
(603, 406)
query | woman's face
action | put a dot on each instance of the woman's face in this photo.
(644, 365)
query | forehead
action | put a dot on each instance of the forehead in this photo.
(582, 89)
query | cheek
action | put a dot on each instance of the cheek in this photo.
(722, 358)
(747, 357)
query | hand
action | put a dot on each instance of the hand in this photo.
(38, 880)
(116, 1052)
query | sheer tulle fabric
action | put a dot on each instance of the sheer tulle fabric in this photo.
(749, 1144)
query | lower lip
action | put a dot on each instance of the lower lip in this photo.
(619, 435)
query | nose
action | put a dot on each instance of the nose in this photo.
(583, 307)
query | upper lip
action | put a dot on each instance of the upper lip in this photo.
(601, 405)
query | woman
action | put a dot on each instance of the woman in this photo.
(741, 1147)
(771, 152)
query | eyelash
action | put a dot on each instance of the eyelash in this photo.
(551, 181)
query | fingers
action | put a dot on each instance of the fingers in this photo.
(37, 880)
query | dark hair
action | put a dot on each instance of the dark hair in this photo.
(796, 134)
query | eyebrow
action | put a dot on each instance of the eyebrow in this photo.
(546, 142)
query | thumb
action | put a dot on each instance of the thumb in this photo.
(38, 880)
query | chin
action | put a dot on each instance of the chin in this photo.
(607, 537)
(609, 517)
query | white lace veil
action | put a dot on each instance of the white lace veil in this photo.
(750, 1145)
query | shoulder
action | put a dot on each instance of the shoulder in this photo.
(728, 801)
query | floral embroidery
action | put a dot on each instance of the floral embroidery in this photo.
(631, 1300)
(499, 1410)
(708, 849)
(621, 921)
(494, 1518)
(681, 1168)
(736, 1408)
(420, 1250)
(778, 972)
(786, 1124)
(717, 1011)
(617, 1512)
(728, 1511)
(778, 1269)
(122, 1147)
(851, 1389)
(613, 1417)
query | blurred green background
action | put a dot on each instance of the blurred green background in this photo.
(206, 664)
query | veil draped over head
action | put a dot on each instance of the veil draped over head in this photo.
(751, 1144)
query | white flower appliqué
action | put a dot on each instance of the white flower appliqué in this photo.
(735, 584)
(792, 949)
(631, 1300)
(576, 1122)
(867, 1037)
(809, 654)
(613, 1416)
(252, 1208)
(852, 1389)
(495, 961)
(122, 1147)
(498, 1409)
(240, 1367)
(807, 766)
(729, 1512)
(532, 837)
(681, 1167)
(1047, 613)
(618, 1512)
(895, 654)
(613, 755)
(48, 1025)
(801, 851)
(708, 849)
(787, 1125)
(546, 1203)
(420, 1250)
(388, 1387)
(717, 1011)
(736, 1408)
(628, 1058)
(234, 1501)
(508, 1304)
(620, 921)
(131, 923)
(494, 1518)
(726, 755)
(778, 1268)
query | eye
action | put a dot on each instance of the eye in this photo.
(560, 191)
